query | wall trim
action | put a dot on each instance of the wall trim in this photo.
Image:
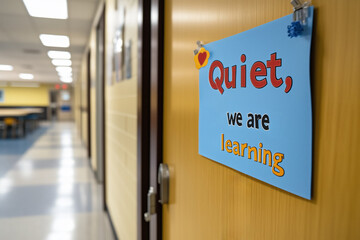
(143, 114)
(107, 212)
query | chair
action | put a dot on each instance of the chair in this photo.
(32, 120)
(13, 124)
(3, 128)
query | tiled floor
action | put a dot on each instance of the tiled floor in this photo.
(47, 190)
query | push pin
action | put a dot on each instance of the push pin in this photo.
(201, 55)
(300, 15)
(200, 45)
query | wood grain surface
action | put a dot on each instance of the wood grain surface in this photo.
(211, 201)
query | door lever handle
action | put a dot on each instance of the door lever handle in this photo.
(163, 180)
(151, 204)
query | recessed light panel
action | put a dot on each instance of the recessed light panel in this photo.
(66, 79)
(49, 40)
(26, 76)
(47, 8)
(64, 69)
(6, 67)
(65, 74)
(59, 55)
(61, 62)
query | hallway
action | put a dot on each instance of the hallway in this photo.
(47, 190)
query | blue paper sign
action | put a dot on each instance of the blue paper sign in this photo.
(255, 104)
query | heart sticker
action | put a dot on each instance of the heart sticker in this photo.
(201, 58)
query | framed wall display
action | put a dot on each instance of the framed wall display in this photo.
(121, 47)
(2, 92)
(118, 45)
(127, 59)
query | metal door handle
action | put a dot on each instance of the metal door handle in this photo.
(151, 204)
(163, 180)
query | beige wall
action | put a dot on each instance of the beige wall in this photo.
(81, 86)
(92, 107)
(80, 100)
(84, 105)
(121, 121)
(93, 127)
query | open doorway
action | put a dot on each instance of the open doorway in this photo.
(53, 105)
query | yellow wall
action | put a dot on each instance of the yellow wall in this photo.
(26, 96)
(121, 122)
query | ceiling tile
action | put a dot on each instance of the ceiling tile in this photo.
(13, 7)
(81, 9)
(4, 36)
(51, 26)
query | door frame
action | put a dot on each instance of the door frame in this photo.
(150, 112)
(143, 116)
(100, 103)
(88, 101)
(156, 115)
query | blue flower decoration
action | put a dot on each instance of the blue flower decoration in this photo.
(295, 29)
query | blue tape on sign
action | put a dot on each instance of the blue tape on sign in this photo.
(295, 29)
(255, 105)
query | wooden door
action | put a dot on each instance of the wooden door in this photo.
(211, 201)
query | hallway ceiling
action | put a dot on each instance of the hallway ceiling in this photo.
(20, 45)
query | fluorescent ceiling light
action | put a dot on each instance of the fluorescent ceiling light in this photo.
(47, 8)
(64, 69)
(66, 79)
(65, 74)
(6, 67)
(49, 40)
(61, 62)
(59, 55)
(26, 76)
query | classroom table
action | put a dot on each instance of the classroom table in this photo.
(20, 114)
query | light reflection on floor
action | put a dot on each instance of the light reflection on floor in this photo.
(48, 191)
